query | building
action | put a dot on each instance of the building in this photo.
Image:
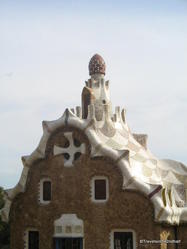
(91, 183)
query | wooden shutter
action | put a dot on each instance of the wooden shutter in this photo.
(100, 189)
(46, 190)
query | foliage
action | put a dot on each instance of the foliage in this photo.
(4, 227)
(1, 198)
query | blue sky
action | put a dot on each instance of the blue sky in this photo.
(45, 48)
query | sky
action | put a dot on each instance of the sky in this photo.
(45, 48)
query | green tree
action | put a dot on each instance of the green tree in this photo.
(4, 227)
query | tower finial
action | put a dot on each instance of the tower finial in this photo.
(96, 65)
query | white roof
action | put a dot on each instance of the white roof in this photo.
(113, 138)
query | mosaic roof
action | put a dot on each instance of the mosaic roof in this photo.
(97, 65)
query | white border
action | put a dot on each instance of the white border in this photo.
(93, 189)
(41, 200)
(122, 230)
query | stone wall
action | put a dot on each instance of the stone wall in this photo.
(71, 193)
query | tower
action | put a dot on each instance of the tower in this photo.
(96, 91)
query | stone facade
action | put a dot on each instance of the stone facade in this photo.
(71, 193)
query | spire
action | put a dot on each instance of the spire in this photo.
(96, 91)
(96, 65)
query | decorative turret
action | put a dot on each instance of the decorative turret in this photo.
(97, 89)
(97, 65)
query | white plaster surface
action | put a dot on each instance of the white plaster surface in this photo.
(71, 150)
(69, 225)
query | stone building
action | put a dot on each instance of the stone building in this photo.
(91, 183)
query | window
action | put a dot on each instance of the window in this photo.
(33, 240)
(100, 189)
(68, 243)
(123, 239)
(45, 191)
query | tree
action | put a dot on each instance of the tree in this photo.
(4, 227)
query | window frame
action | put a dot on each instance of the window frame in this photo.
(93, 189)
(122, 231)
(41, 196)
